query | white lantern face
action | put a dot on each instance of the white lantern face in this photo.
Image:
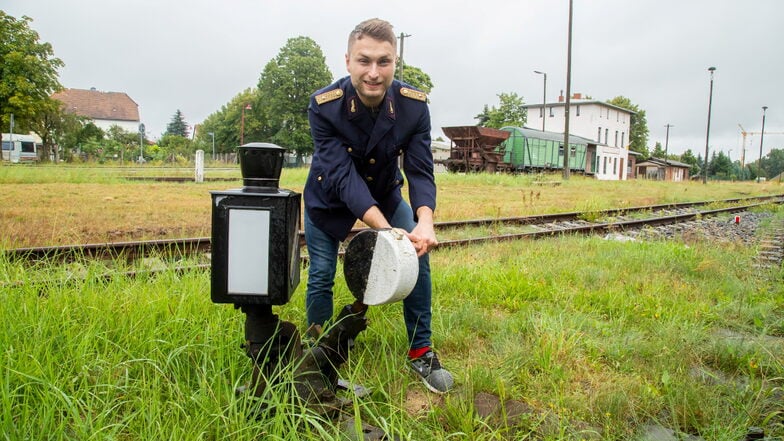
(248, 250)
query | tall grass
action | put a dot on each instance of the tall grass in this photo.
(597, 338)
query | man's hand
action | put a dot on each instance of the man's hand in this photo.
(423, 236)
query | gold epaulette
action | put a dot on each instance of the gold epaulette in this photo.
(414, 94)
(330, 95)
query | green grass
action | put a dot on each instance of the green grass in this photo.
(598, 339)
(93, 173)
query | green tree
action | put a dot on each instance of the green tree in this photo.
(700, 165)
(417, 78)
(720, 166)
(52, 123)
(638, 131)
(177, 126)
(226, 124)
(688, 158)
(484, 117)
(285, 87)
(77, 143)
(124, 144)
(173, 148)
(28, 72)
(773, 163)
(510, 112)
(658, 151)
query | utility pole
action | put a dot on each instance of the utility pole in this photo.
(666, 148)
(762, 137)
(400, 58)
(567, 147)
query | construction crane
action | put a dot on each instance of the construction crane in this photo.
(743, 148)
(743, 132)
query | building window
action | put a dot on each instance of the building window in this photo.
(607, 136)
(599, 136)
(577, 110)
(617, 116)
(623, 139)
(616, 138)
(551, 111)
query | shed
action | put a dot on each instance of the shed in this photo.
(663, 170)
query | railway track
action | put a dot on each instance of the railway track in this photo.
(771, 249)
(525, 227)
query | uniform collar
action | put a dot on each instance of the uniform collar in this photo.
(355, 109)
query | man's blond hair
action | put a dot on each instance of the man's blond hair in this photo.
(375, 28)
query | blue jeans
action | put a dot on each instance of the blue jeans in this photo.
(323, 256)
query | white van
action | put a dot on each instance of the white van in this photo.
(20, 148)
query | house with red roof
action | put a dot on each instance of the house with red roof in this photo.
(104, 109)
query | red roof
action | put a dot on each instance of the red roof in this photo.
(95, 104)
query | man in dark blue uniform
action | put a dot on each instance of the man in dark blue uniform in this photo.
(361, 126)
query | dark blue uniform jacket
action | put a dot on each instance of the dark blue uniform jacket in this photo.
(355, 162)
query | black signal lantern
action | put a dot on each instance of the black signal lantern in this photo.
(255, 233)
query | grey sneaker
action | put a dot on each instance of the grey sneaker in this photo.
(428, 368)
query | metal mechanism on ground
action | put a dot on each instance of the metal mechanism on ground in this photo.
(256, 264)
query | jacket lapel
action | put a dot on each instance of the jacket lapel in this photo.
(384, 122)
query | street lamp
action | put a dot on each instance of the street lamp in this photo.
(544, 96)
(707, 135)
(242, 124)
(213, 144)
(762, 137)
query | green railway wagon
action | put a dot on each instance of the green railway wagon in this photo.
(529, 149)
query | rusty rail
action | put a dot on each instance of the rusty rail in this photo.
(188, 246)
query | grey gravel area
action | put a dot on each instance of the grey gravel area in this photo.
(741, 229)
(717, 229)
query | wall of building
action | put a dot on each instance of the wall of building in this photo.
(589, 119)
(611, 163)
(128, 126)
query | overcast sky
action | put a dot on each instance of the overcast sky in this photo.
(195, 55)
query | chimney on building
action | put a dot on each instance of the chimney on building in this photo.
(577, 96)
(561, 97)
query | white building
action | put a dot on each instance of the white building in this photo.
(604, 123)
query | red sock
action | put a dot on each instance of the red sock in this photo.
(416, 353)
